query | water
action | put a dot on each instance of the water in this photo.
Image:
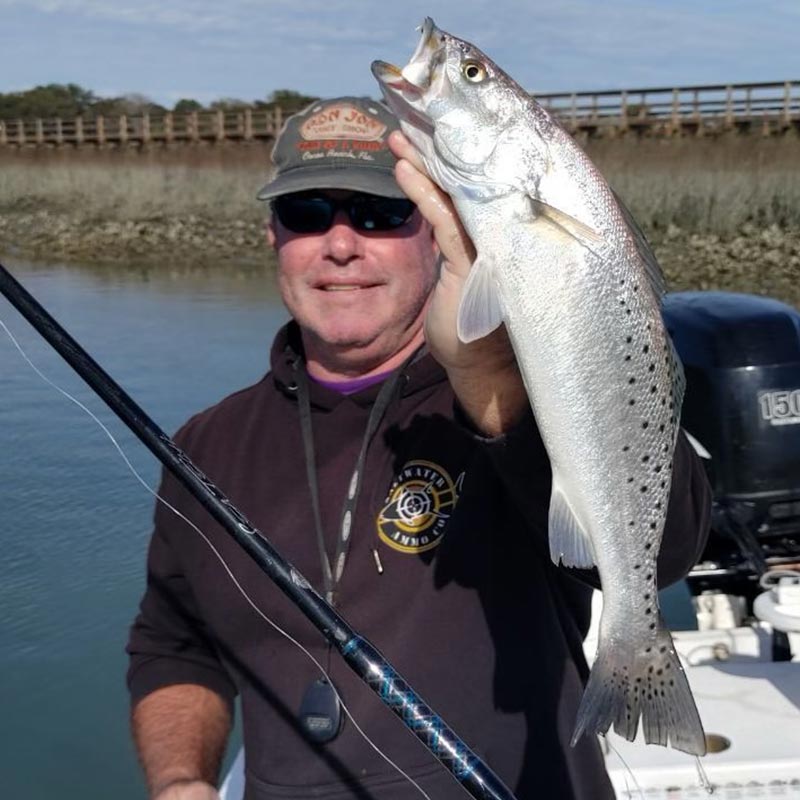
(74, 523)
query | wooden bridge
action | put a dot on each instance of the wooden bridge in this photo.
(763, 108)
(766, 108)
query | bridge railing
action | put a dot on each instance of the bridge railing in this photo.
(668, 110)
(728, 104)
(242, 125)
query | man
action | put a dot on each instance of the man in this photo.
(402, 473)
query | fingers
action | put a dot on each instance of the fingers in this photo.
(402, 148)
(434, 205)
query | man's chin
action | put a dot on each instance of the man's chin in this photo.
(344, 338)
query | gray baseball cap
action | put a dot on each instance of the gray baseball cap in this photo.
(335, 144)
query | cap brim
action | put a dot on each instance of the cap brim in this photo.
(350, 177)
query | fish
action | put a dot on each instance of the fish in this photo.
(562, 263)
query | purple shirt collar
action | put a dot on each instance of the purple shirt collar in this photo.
(354, 384)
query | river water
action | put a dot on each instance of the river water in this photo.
(74, 523)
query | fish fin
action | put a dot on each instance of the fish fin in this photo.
(698, 447)
(481, 310)
(627, 683)
(576, 229)
(655, 275)
(569, 542)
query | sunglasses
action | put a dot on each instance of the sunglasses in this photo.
(313, 212)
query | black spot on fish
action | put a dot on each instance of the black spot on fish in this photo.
(647, 597)
(631, 380)
(646, 348)
(652, 626)
(637, 566)
(645, 459)
(645, 424)
(652, 526)
(625, 448)
(631, 402)
(643, 489)
(648, 545)
(627, 358)
(629, 339)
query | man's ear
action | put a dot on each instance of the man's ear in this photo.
(269, 230)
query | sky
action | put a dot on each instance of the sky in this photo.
(246, 49)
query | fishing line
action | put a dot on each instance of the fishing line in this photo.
(628, 770)
(219, 556)
(701, 774)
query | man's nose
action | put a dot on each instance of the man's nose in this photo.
(344, 243)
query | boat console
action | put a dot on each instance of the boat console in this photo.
(741, 356)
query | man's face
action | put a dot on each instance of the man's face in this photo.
(357, 295)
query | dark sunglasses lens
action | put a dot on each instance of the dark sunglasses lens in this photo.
(301, 213)
(371, 213)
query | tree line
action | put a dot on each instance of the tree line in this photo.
(70, 100)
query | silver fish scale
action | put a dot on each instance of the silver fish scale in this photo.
(600, 373)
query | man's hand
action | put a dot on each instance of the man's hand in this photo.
(483, 373)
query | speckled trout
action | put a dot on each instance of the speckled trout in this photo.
(562, 263)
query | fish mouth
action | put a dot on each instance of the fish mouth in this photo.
(391, 77)
(416, 77)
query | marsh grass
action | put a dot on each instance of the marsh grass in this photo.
(698, 185)
(123, 192)
(705, 186)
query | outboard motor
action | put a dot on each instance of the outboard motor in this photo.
(741, 355)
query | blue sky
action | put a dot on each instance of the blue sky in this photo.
(208, 49)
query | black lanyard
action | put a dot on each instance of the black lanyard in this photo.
(332, 574)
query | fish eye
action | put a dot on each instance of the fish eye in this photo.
(473, 71)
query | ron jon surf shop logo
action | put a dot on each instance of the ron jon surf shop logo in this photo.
(418, 505)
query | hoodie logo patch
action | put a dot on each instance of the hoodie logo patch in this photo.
(417, 507)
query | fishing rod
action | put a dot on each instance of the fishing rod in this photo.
(359, 654)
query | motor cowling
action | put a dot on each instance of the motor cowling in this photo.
(741, 357)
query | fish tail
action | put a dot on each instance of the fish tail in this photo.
(648, 682)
